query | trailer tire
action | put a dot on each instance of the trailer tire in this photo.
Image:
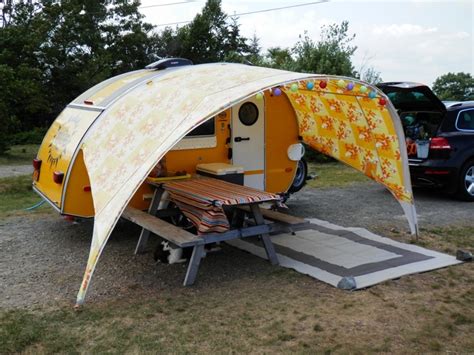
(300, 177)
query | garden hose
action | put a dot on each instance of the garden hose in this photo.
(35, 206)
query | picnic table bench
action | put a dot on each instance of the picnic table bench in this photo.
(188, 195)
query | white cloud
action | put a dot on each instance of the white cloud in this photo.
(416, 53)
(404, 29)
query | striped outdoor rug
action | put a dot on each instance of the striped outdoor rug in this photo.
(348, 258)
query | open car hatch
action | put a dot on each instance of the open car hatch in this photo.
(412, 97)
(421, 114)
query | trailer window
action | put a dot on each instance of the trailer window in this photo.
(201, 137)
(208, 128)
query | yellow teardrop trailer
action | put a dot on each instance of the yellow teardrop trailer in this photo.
(96, 156)
(268, 149)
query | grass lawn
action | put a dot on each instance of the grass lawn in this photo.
(19, 154)
(16, 194)
(334, 175)
(279, 311)
(276, 311)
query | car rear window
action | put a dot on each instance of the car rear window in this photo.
(400, 98)
(465, 120)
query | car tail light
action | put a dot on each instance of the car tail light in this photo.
(58, 177)
(438, 143)
(88, 102)
(436, 172)
(37, 164)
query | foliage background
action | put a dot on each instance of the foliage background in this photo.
(51, 51)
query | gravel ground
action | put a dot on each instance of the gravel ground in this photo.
(42, 260)
(15, 170)
(370, 205)
(42, 257)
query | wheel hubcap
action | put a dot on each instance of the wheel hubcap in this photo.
(469, 181)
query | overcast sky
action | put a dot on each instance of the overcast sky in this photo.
(406, 40)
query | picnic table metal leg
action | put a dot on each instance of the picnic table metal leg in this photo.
(193, 266)
(145, 233)
(267, 243)
(238, 218)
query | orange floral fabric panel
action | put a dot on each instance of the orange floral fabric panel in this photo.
(352, 127)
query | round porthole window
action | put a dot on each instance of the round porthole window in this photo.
(248, 113)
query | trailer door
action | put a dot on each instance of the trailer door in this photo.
(248, 141)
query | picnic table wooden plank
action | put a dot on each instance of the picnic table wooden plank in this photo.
(278, 216)
(166, 230)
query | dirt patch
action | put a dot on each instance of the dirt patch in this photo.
(42, 263)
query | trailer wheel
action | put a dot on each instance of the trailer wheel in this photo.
(300, 178)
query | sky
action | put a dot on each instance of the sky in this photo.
(405, 40)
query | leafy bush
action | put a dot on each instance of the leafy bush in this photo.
(34, 136)
(314, 156)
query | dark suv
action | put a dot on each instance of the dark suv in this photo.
(439, 137)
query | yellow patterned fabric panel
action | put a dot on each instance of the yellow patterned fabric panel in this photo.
(353, 128)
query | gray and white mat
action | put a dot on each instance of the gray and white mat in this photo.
(349, 258)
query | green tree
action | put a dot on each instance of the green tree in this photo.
(212, 36)
(455, 87)
(51, 51)
(23, 99)
(370, 75)
(208, 38)
(330, 55)
(279, 58)
(254, 49)
(89, 41)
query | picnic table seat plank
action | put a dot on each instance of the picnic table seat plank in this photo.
(168, 231)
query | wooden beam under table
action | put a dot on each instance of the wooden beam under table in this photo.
(278, 216)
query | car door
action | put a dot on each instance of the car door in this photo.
(248, 140)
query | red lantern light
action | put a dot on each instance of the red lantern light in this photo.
(36, 164)
(68, 218)
(58, 177)
(323, 84)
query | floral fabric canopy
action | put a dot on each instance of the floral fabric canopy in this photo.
(344, 118)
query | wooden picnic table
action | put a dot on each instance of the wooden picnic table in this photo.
(202, 199)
